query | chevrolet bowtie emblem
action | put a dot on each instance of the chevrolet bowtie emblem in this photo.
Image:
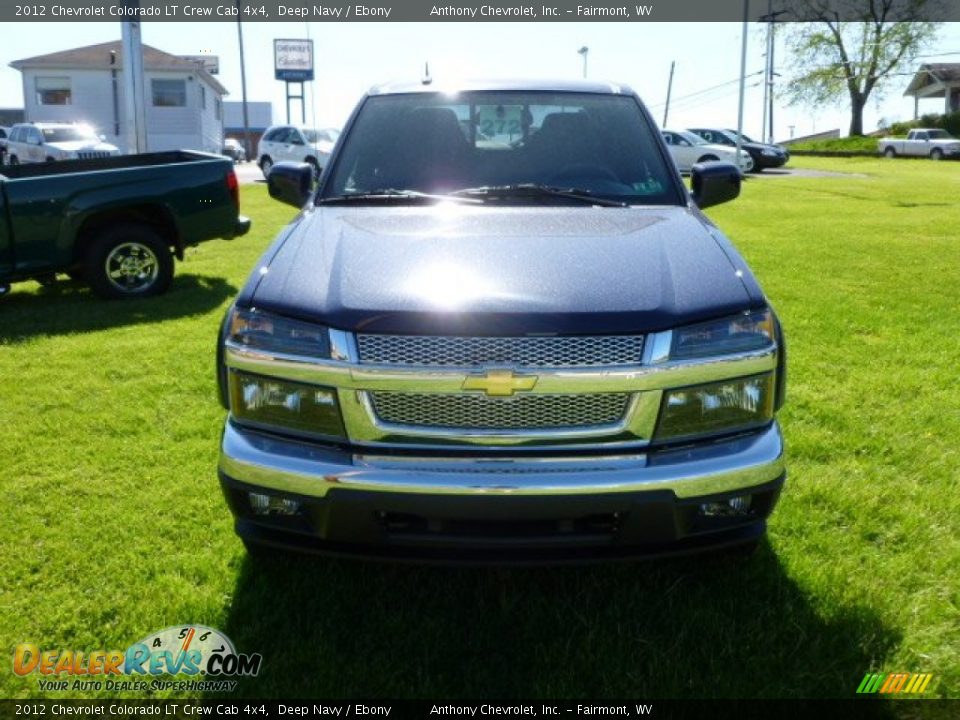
(501, 383)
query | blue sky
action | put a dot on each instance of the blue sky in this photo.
(350, 57)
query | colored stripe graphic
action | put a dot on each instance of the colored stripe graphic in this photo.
(892, 683)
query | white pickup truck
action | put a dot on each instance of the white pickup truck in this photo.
(922, 142)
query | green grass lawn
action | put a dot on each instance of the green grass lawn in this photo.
(115, 526)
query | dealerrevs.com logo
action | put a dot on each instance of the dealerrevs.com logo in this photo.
(193, 651)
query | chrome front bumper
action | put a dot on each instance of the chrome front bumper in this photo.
(304, 469)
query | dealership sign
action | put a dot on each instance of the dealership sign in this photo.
(293, 60)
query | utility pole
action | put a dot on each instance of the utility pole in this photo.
(243, 88)
(743, 78)
(770, 72)
(134, 100)
(666, 109)
(583, 52)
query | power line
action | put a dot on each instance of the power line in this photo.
(706, 90)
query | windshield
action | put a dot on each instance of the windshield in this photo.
(315, 136)
(440, 143)
(68, 134)
(939, 135)
(691, 138)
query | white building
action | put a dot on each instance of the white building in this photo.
(85, 85)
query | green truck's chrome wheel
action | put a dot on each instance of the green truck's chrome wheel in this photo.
(129, 261)
(131, 267)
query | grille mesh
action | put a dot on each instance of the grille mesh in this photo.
(90, 154)
(519, 412)
(451, 351)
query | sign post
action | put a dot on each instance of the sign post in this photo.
(293, 63)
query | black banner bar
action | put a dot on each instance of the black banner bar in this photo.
(460, 11)
(854, 709)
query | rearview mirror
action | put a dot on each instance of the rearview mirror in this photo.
(291, 183)
(714, 183)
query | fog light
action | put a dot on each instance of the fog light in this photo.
(272, 505)
(734, 507)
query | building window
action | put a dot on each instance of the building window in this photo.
(169, 93)
(53, 91)
(203, 98)
(219, 106)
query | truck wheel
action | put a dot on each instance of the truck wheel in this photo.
(936, 154)
(890, 152)
(13, 160)
(129, 261)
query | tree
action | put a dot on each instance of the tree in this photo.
(838, 53)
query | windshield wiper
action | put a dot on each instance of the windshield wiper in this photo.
(389, 195)
(533, 190)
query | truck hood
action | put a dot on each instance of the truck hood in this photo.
(487, 270)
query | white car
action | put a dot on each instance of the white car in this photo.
(46, 142)
(290, 143)
(689, 148)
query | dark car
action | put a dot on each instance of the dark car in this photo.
(764, 155)
(501, 329)
(4, 134)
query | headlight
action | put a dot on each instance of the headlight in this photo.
(769, 153)
(271, 403)
(736, 334)
(272, 333)
(725, 406)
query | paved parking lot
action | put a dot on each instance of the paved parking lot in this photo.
(248, 172)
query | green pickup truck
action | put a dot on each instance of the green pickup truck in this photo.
(116, 223)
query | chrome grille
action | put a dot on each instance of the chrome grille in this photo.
(451, 351)
(519, 412)
(90, 154)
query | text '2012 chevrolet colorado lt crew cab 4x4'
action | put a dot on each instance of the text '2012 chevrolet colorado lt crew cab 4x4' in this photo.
(501, 328)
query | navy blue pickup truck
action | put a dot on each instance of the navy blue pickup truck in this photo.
(501, 329)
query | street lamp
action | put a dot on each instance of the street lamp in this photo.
(583, 52)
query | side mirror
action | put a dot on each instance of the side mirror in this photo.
(291, 183)
(714, 183)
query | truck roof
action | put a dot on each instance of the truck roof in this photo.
(578, 86)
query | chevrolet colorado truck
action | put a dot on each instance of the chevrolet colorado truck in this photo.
(922, 142)
(501, 330)
(115, 222)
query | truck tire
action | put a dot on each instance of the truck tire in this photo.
(890, 152)
(936, 154)
(13, 160)
(129, 261)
